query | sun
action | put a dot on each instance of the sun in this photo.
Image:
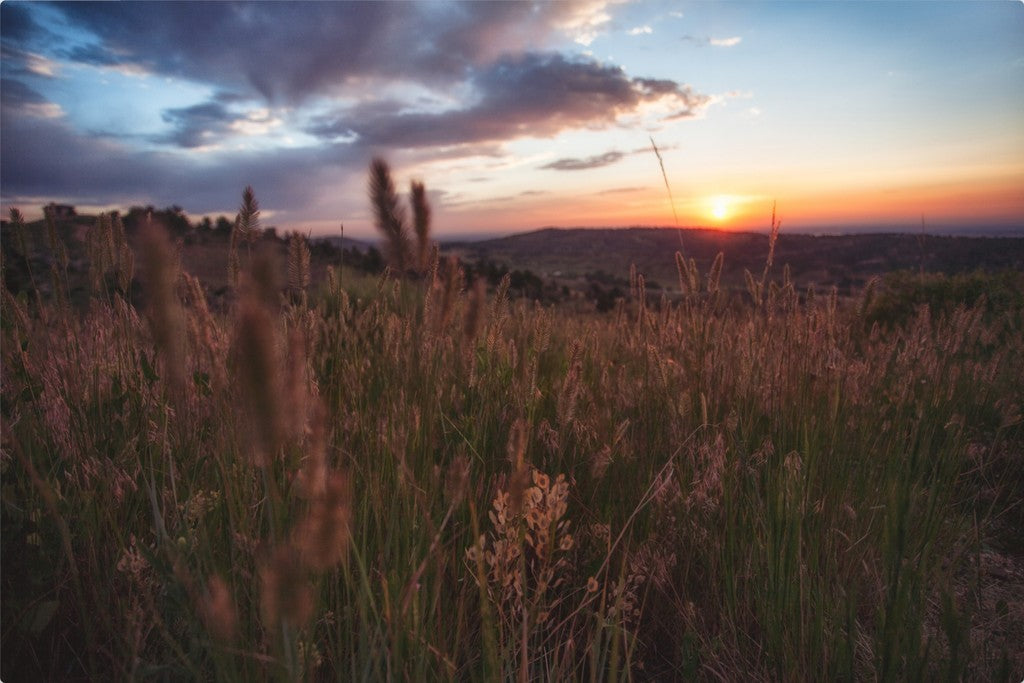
(720, 208)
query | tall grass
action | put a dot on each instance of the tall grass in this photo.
(427, 482)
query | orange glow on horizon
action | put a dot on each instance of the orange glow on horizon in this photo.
(747, 206)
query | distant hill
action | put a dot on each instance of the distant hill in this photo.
(842, 260)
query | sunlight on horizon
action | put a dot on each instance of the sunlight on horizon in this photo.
(720, 206)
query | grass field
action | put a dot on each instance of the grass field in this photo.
(420, 479)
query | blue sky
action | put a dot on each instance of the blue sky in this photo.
(521, 115)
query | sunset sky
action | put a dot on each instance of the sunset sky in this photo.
(523, 115)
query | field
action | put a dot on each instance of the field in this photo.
(370, 477)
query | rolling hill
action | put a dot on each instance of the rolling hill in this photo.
(842, 260)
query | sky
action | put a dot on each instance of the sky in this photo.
(516, 116)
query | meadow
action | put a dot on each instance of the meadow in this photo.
(421, 478)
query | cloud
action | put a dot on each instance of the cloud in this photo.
(198, 125)
(206, 124)
(39, 65)
(621, 190)
(417, 81)
(17, 98)
(571, 164)
(17, 21)
(714, 42)
(535, 95)
(16, 94)
(725, 42)
(22, 63)
(287, 53)
(584, 21)
(606, 159)
(48, 158)
(640, 30)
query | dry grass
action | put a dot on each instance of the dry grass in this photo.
(425, 481)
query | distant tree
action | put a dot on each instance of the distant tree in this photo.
(223, 225)
(59, 211)
(373, 262)
(175, 220)
(485, 268)
(526, 283)
(604, 299)
(172, 218)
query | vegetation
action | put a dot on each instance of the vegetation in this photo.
(904, 292)
(847, 262)
(418, 478)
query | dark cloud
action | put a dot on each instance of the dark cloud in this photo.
(17, 22)
(570, 164)
(15, 94)
(42, 156)
(46, 158)
(278, 50)
(287, 51)
(197, 125)
(536, 95)
(94, 55)
(335, 127)
(18, 99)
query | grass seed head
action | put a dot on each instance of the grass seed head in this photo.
(256, 366)
(389, 216)
(457, 480)
(519, 480)
(285, 592)
(421, 224)
(298, 263)
(322, 538)
(218, 609)
(474, 312)
(166, 318)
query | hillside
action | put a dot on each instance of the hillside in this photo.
(550, 263)
(843, 260)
